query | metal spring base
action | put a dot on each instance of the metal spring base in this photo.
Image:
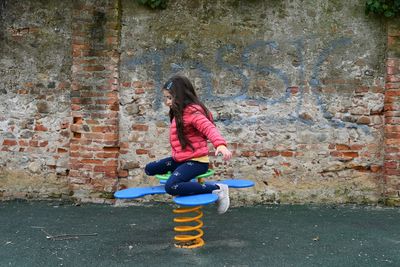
(194, 240)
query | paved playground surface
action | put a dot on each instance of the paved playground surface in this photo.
(64, 234)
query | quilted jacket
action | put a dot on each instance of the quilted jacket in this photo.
(198, 129)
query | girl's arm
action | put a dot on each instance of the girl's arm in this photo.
(206, 127)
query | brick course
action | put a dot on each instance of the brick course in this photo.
(94, 149)
(391, 167)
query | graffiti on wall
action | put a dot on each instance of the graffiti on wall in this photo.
(159, 58)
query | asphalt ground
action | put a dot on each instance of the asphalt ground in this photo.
(65, 234)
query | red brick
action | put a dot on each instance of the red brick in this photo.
(110, 101)
(392, 135)
(111, 149)
(391, 165)
(391, 99)
(23, 142)
(395, 113)
(77, 120)
(140, 127)
(86, 154)
(9, 142)
(364, 120)
(392, 85)
(342, 147)
(392, 141)
(111, 163)
(336, 154)
(356, 147)
(123, 152)
(137, 84)
(111, 137)
(350, 154)
(39, 127)
(392, 157)
(390, 70)
(273, 153)
(248, 153)
(392, 93)
(61, 150)
(43, 144)
(104, 129)
(277, 172)
(107, 155)
(392, 120)
(124, 145)
(361, 168)
(141, 151)
(287, 153)
(111, 174)
(393, 78)
(293, 90)
(94, 136)
(392, 62)
(392, 128)
(389, 149)
(139, 91)
(362, 89)
(33, 143)
(392, 172)
(22, 92)
(376, 168)
(123, 173)
(126, 84)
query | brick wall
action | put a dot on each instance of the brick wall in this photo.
(392, 115)
(310, 110)
(94, 145)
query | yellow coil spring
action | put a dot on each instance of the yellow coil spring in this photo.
(189, 240)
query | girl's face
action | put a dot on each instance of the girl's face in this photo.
(167, 98)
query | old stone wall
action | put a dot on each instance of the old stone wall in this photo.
(296, 87)
(35, 73)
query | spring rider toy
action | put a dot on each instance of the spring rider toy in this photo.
(188, 236)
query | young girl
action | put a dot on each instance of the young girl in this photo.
(191, 126)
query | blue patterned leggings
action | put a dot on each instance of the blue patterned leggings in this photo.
(179, 183)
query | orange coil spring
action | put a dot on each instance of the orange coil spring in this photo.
(189, 240)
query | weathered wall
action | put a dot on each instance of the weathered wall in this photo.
(35, 70)
(296, 87)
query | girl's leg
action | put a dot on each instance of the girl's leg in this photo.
(161, 166)
(179, 182)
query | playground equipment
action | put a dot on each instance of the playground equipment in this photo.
(190, 210)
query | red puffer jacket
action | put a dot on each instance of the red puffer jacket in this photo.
(197, 128)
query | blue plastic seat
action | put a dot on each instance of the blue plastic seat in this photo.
(139, 192)
(196, 200)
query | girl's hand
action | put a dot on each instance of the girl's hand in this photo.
(227, 155)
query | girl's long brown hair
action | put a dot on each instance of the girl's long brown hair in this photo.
(183, 94)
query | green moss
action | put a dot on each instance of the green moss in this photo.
(392, 201)
(395, 47)
(55, 195)
(107, 195)
(96, 30)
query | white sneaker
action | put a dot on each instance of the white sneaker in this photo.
(223, 198)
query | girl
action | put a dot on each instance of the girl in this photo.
(191, 126)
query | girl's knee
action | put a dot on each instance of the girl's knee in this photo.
(147, 169)
(170, 188)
